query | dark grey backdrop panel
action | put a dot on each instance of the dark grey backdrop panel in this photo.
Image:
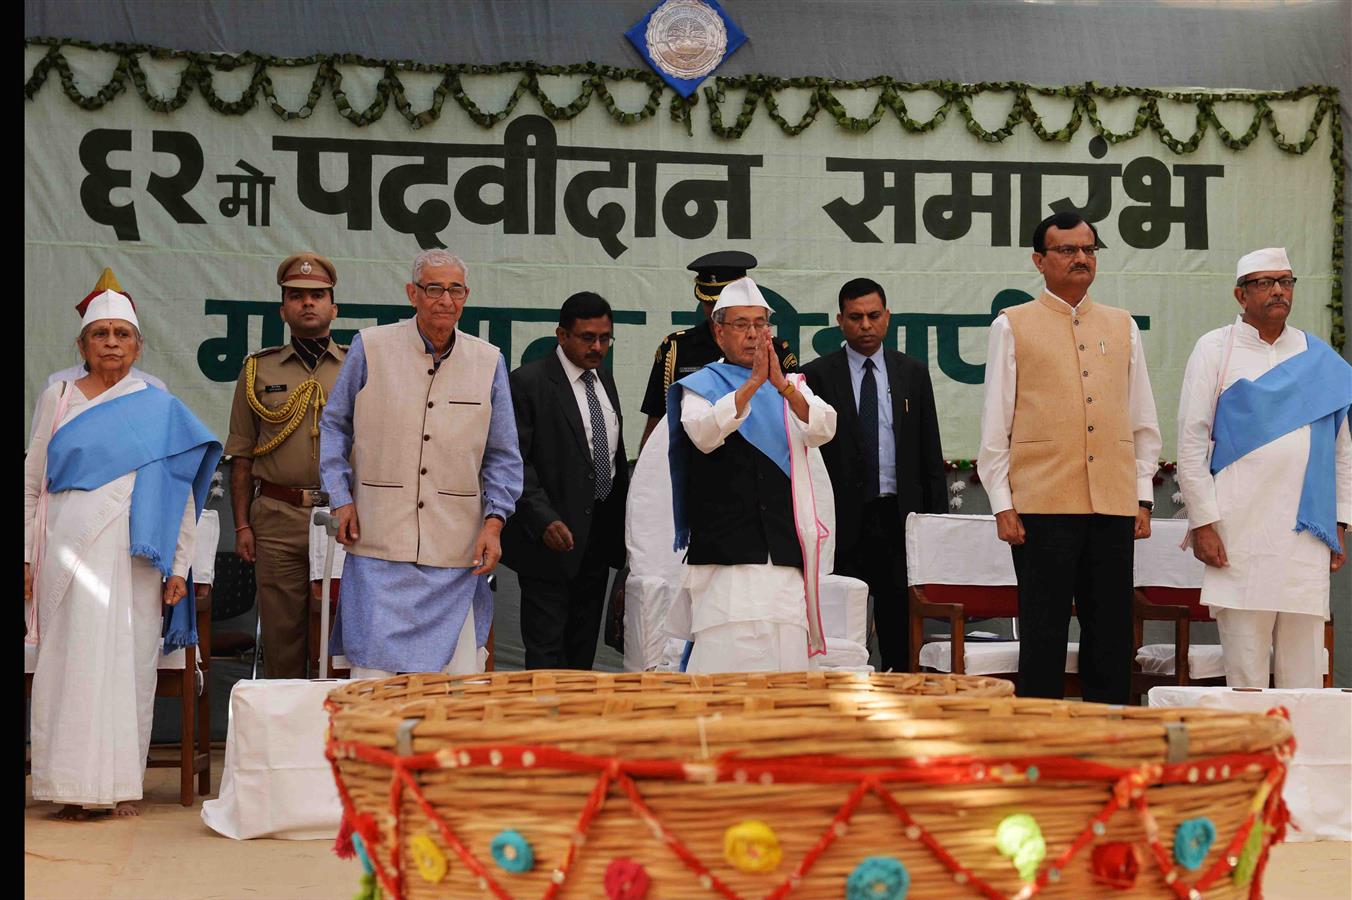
(1257, 44)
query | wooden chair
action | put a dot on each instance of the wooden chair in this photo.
(192, 685)
(960, 571)
(185, 674)
(1157, 664)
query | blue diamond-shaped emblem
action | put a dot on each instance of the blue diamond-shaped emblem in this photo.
(685, 40)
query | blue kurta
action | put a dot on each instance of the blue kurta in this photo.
(401, 616)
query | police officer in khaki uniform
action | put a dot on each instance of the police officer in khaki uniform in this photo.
(274, 440)
(683, 352)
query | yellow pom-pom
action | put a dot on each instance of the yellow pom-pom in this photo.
(752, 846)
(431, 862)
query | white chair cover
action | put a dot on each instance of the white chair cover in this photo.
(656, 571)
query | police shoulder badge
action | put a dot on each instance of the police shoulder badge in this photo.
(685, 40)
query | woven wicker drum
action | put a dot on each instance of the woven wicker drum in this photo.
(803, 785)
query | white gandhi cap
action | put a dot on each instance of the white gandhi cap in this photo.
(742, 292)
(110, 305)
(1269, 259)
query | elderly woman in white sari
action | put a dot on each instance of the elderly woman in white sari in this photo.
(113, 484)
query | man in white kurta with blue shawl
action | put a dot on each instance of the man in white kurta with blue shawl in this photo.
(113, 487)
(1268, 507)
(743, 501)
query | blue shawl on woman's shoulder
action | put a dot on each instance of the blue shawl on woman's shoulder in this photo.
(153, 434)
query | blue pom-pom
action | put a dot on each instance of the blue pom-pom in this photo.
(512, 852)
(1192, 840)
(878, 878)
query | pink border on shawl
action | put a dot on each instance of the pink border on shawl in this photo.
(822, 534)
(31, 635)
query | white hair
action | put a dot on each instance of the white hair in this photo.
(437, 256)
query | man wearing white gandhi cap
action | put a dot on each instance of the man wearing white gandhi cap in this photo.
(742, 498)
(1265, 465)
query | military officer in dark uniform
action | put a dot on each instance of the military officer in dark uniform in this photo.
(274, 442)
(684, 352)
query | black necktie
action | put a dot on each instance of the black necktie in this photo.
(600, 445)
(868, 429)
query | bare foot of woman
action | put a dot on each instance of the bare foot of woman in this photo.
(126, 808)
(72, 813)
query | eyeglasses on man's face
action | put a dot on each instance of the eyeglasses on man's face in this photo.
(742, 326)
(588, 338)
(437, 291)
(1069, 251)
(1265, 284)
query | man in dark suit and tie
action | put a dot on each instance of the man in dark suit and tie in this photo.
(568, 528)
(885, 460)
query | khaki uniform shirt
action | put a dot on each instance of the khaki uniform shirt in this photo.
(280, 370)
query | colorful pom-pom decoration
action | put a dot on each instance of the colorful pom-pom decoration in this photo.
(626, 880)
(1019, 838)
(751, 846)
(1249, 855)
(512, 852)
(1116, 864)
(359, 845)
(1192, 840)
(878, 878)
(429, 859)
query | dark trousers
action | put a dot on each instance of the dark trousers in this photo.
(1085, 560)
(879, 558)
(561, 618)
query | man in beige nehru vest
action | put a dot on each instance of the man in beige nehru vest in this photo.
(1069, 447)
(421, 462)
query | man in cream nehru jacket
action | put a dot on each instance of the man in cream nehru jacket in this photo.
(1265, 465)
(1069, 444)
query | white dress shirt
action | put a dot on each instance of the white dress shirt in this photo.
(887, 448)
(574, 375)
(997, 415)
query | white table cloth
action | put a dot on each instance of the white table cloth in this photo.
(1319, 783)
(953, 549)
(276, 782)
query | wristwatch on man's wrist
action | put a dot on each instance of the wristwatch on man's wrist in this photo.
(1147, 505)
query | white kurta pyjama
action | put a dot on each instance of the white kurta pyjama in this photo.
(99, 612)
(747, 618)
(1253, 503)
